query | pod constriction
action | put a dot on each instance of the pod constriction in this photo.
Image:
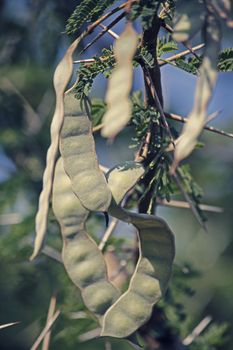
(78, 152)
(153, 270)
(82, 259)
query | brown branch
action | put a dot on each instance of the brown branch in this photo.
(45, 330)
(189, 200)
(179, 55)
(108, 233)
(149, 41)
(178, 118)
(156, 99)
(181, 119)
(197, 330)
(51, 310)
(185, 205)
(110, 32)
(170, 30)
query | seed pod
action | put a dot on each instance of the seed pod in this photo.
(120, 82)
(204, 89)
(82, 259)
(77, 148)
(188, 19)
(61, 78)
(124, 177)
(152, 273)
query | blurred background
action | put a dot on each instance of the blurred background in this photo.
(32, 42)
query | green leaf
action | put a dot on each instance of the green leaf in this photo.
(225, 63)
(87, 10)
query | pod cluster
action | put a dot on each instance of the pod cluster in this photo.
(79, 187)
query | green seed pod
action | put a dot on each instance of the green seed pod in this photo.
(61, 78)
(152, 273)
(77, 148)
(123, 177)
(82, 259)
(119, 106)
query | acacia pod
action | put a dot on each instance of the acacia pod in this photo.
(61, 78)
(77, 148)
(82, 259)
(151, 275)
(119, 106)
(203, 93)
(123, 177)
(188, 19)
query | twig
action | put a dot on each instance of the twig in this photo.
(212, 116)
(108, 233)
(110, 32)
(157, 102)
(51, 310)
(8, 325)
(107, 345)
(197, 330)
(188, 199)
(181, 119)
(170, 30)
(86, 61)
(45, 330)
(185, 205)
(206, 127)
(52, 253)
(11, 219)
(109, 26)
(89, 335)
(179, 55)
(161, 62)
(98, 127)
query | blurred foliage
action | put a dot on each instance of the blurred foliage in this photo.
(32, 41)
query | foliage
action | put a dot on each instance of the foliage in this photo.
(146, 10)
(87, 10)
(87, 73)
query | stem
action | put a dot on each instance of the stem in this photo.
(178, 118)
(153, 98)
(105, 30)
(110, 32)
(45, 330)
(180, 55)
(170, 30)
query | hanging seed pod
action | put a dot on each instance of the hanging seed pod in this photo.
(61, 78)
(77, 148)
(152, 272)
(204, 89)
(119, 106)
